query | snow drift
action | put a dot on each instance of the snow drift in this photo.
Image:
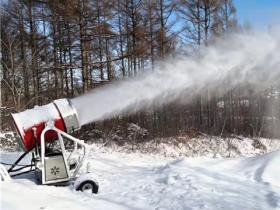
(137, 181)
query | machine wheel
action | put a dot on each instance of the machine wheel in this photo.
(88, 186)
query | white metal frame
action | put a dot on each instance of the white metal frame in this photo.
(50, 126)
(4, 173)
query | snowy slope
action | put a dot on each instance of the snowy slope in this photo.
(137, 181)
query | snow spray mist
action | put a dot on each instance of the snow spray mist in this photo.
(252, 57)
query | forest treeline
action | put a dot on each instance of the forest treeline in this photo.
(62, 48)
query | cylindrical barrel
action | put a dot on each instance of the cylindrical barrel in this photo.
(30, 123)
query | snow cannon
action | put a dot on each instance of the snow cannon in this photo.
(56, 155)
(31, 123)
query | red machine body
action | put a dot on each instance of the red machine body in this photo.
(33, 134)
(31, 123)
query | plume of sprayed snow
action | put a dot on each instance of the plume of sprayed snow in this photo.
(253, 58)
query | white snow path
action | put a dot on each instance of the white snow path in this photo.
(137, 181)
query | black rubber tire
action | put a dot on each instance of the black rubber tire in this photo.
(94, 186)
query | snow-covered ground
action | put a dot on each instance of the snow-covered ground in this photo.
(144, 181)
(201, 146)
(178, 146)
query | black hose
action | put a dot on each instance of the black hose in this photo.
(18, 169)
(25, 172)
(17, 161)
(10, 164)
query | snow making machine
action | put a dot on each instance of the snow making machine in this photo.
(57, 157)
